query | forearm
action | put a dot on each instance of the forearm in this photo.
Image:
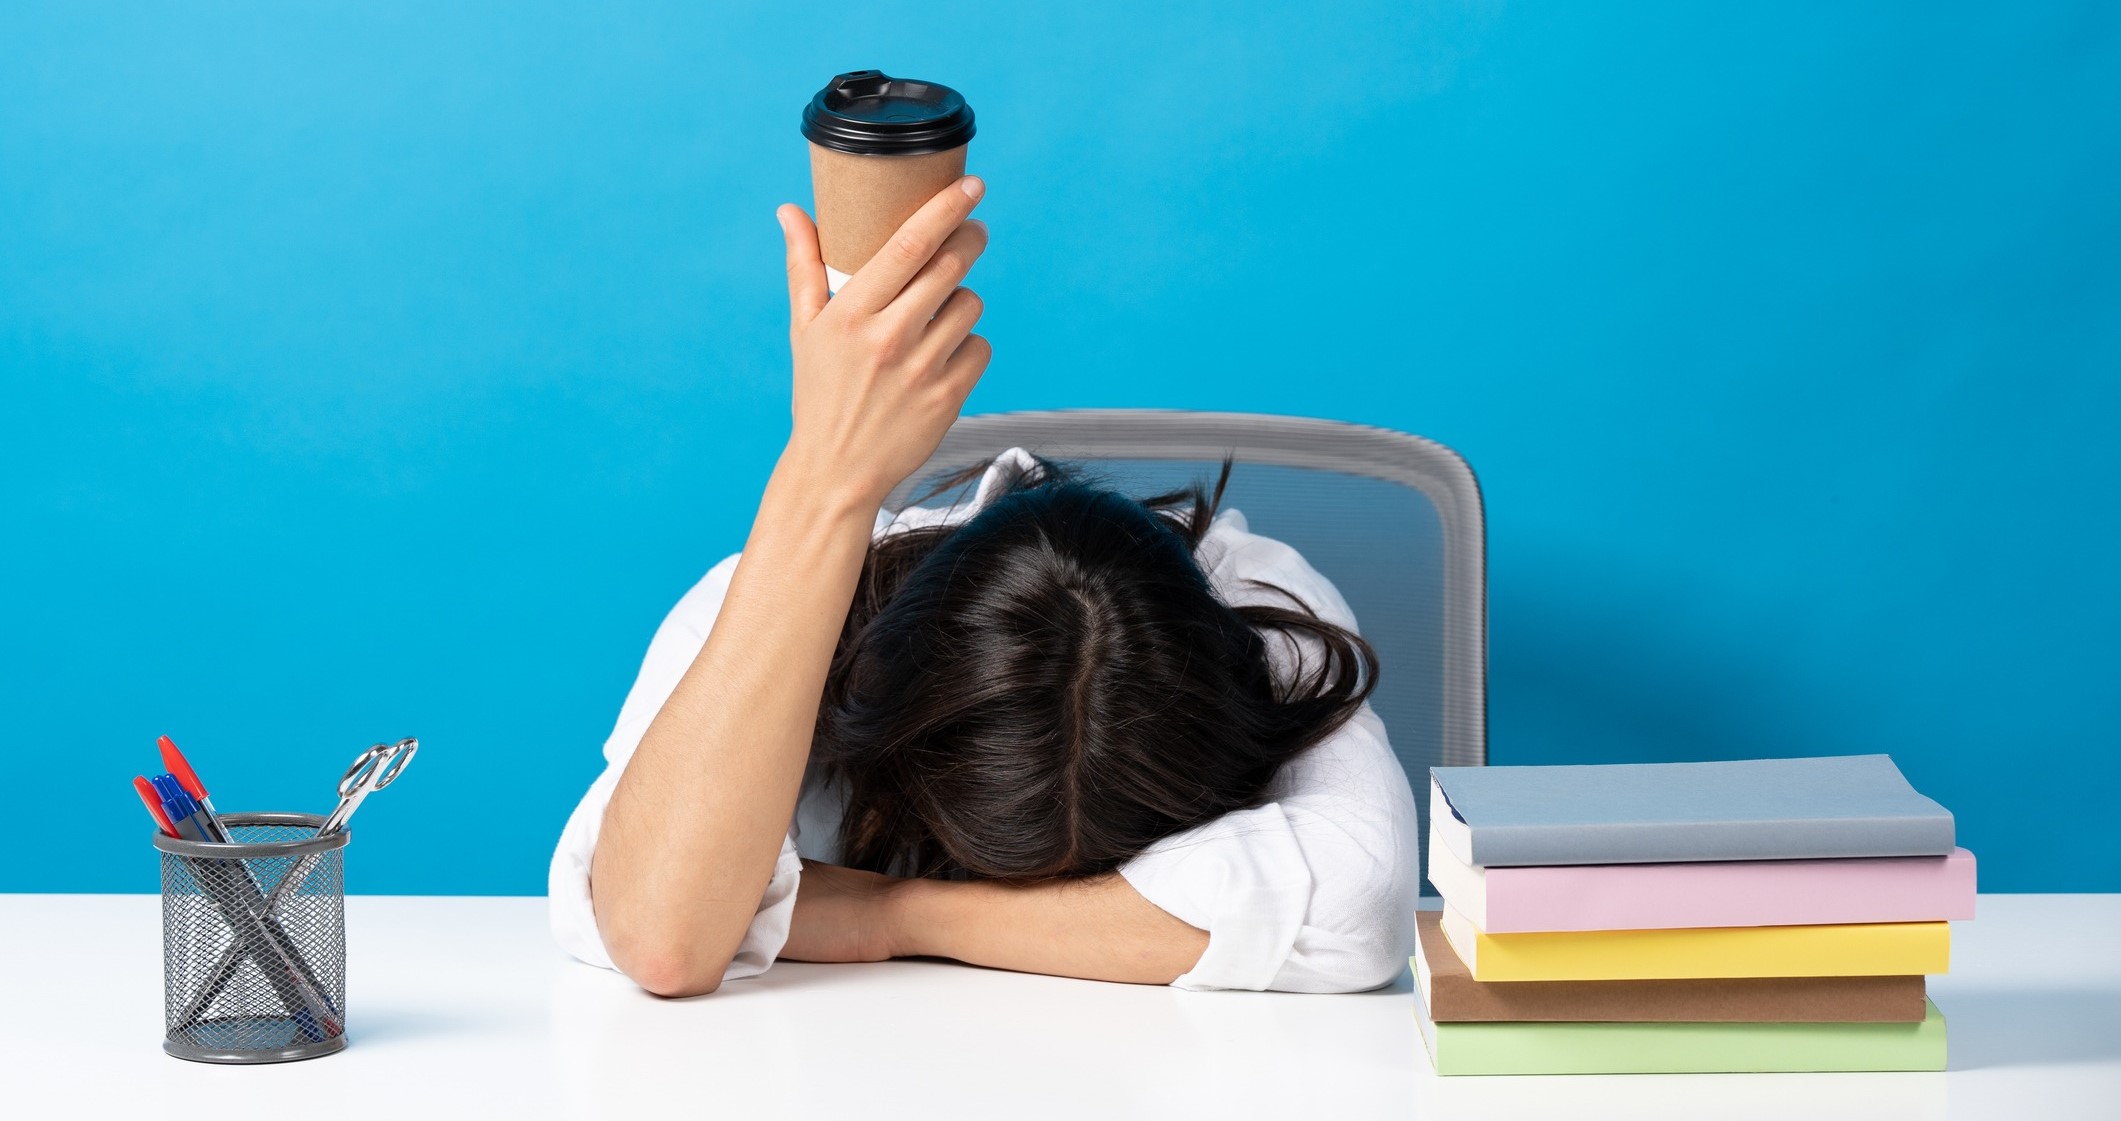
(695, 823)
(1095, 927)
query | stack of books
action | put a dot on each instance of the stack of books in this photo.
(1752, 915)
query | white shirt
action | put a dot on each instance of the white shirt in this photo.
(1313, 891)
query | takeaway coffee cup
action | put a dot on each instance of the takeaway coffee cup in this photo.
(880, 147)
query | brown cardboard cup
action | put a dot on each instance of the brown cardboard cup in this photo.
(862, 200)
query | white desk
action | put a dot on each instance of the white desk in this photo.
(463, 1006)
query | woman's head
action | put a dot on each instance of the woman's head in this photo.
(1051, 686)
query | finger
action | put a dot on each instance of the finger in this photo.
(952, 322)
(806, 268)
(878, 282)
(966, 365)
(943, 272)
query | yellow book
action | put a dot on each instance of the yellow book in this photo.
(1845, 950)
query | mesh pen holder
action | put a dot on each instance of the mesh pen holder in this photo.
(254, 941)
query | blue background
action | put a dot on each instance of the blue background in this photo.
(384, 368)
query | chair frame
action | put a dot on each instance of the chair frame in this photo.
(1285, 441)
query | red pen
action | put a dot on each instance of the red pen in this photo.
(189, 780)
(154, 804)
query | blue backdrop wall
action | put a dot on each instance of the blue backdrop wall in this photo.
(382, 369)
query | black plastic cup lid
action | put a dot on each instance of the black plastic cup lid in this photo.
(869, 113)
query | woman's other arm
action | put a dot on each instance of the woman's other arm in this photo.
(1096, 927)
(696, 821)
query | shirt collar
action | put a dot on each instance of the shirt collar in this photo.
(1003, 474)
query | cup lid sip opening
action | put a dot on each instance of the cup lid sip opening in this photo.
(870, 113)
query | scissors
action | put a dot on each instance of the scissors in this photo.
(372, 770)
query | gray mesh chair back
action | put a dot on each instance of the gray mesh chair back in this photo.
(1394, 520)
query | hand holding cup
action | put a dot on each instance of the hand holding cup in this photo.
(883, 367)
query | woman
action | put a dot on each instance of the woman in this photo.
(1049, 729)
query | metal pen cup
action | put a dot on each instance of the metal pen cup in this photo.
(254, 941)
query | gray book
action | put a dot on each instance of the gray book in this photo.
(1638, 813)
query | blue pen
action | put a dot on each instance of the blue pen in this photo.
(178, 806)
(183, 810)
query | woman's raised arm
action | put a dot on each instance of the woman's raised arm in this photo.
(695, 823)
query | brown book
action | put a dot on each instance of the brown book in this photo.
(1450, 993)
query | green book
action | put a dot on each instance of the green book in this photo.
(1504, 1047)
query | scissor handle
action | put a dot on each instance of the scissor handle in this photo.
(378, 767)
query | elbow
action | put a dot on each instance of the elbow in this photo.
(1383, 956)
(674, 976)
(658, 956)
(1373, 969)
(665, 967)
(1348, 970)
(1366, 949)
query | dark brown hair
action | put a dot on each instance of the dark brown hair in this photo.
(1052, 685)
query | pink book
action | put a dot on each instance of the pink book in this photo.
(1706, 893)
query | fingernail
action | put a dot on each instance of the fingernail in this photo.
(972, 186)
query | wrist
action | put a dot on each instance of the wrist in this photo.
(914, 917)
(827, 482)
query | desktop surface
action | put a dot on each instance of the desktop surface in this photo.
(462, 1006)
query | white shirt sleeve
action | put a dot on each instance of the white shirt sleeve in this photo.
(1313, 891)
(677, 641)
